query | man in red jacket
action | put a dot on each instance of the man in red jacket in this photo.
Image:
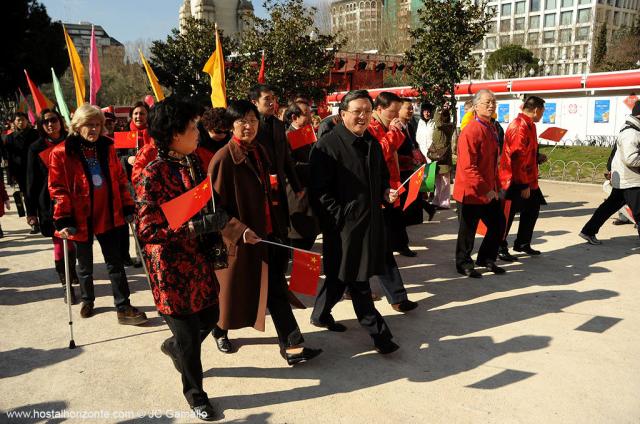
(518, 173)
(476, 189)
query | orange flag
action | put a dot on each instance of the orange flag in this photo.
(305, 272)
(301, 137)
(261, 79)
(506, 208)
(125, 139)
(182, 208)
(414, 186)
(39, 100)
(45, 155)
(553, 134)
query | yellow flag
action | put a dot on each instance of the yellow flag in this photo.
(153, 80)
(215, 68)
(76, 68)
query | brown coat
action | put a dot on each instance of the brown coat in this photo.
(243, 285)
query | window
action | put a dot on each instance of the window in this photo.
(584, 1)
(534, 5)
(518, 39)
(565, 35)
(520, 8)
(532, 38)
(491, 43)
(616, 18)
(505, 40)
(492, 27)
(577, 68)
(534, 22)
(567, 3)
(548, 36)
(584, 15)
(582, 34)
(566, 18)
(518, 24)
(550, 4)
(550, 20)
(505, 25)
(506, 9)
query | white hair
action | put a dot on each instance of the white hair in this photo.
(480, 93)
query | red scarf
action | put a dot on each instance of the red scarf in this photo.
(143, 135)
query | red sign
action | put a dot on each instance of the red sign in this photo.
(630, 101)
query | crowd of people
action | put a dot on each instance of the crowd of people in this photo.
(223, 268)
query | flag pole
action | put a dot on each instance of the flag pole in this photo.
(407, 180)
(287, 247)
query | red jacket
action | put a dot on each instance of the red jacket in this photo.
(72, 193)
(390, 141)
(477, 167)
(3, 196)
(519, 160)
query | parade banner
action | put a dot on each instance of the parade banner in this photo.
(153, 80)
(215, 68)
(62, 105)
(94, 69)
(76, 68)
(39, 100)
(261, 79)
(182, 208)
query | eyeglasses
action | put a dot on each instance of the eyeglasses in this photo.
(487, 104)
(245, 122)
(52, 120)
(360, 113)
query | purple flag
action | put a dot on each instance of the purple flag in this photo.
(94, 69)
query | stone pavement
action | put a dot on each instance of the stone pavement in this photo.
(555, 340)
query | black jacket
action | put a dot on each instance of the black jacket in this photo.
(17, 149)
(40, 204)
(348, 180)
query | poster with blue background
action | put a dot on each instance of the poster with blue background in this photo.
(503, 113)
(601, 112)
(549, 116)
(461, 113)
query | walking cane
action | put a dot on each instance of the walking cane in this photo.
(144, 264)
(67, 278)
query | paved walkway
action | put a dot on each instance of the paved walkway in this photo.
(554, 340)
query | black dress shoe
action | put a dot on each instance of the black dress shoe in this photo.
(469, 272)
(167, 348)
(408, 253)
(429, 209)
(506, 256)
(224, 344)
(297, 358)
(491, 266)
(404, 306)
(333, 326)
(35, 229)
(386, 347)
(526, 249)
(205, 412)
(137, 263)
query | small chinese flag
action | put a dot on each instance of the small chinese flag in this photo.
(553, 134)
(305, 272)
(125, 139)
(414, 186)
(45, 155)
(506, 208)
(182, 208)
(301, 137)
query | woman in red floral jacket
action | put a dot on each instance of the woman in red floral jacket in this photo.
(179, 261)
(90, 198)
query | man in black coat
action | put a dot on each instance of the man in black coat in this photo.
(349, 184)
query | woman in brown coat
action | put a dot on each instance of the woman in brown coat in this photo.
(239, 174)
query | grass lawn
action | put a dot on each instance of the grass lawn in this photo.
(590, 166)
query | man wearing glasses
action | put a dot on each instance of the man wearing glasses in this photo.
(349, 183)
(476, 189)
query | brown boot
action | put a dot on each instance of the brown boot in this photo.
(131, 316)
(87, 310)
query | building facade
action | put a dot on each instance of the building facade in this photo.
(562, 33)
(228, 14)
(108, 47)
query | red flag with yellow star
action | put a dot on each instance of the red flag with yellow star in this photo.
(182, 208)
(414, 186)
(125, 139)
(305, 272)
(301, 137)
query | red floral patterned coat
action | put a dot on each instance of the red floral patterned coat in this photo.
(180, 268)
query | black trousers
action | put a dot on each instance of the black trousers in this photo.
(305, 243)
(188, 333)
(110, 245)
(391, 280)
(123, 237)
(277, 302)
(617, 199)
(331, 292)
(394, 221)
(529, 210)
(469, 216)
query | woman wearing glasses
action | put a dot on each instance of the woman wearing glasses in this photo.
(52, 132)
(239, 174)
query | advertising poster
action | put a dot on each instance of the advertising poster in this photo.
(601, 113)
(549, 116)
(461, 113)
(503, 113)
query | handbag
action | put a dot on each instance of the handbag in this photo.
(219, 252)
(436, 153)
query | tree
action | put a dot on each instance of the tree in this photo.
(440, 56)
(624, 50)
(298, 56)
(512, 61)
(178, 61)
(29, 40)
(600, 50)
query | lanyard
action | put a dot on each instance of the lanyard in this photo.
(491, 130)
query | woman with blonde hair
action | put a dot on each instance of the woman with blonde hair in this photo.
(88, 188)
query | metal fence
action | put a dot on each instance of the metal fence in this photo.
(579, 172)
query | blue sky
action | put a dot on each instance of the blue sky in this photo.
(125, 20)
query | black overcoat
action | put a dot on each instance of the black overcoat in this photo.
(346, 192)
(40, 204)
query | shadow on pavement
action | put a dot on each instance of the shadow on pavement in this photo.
(26, 359)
